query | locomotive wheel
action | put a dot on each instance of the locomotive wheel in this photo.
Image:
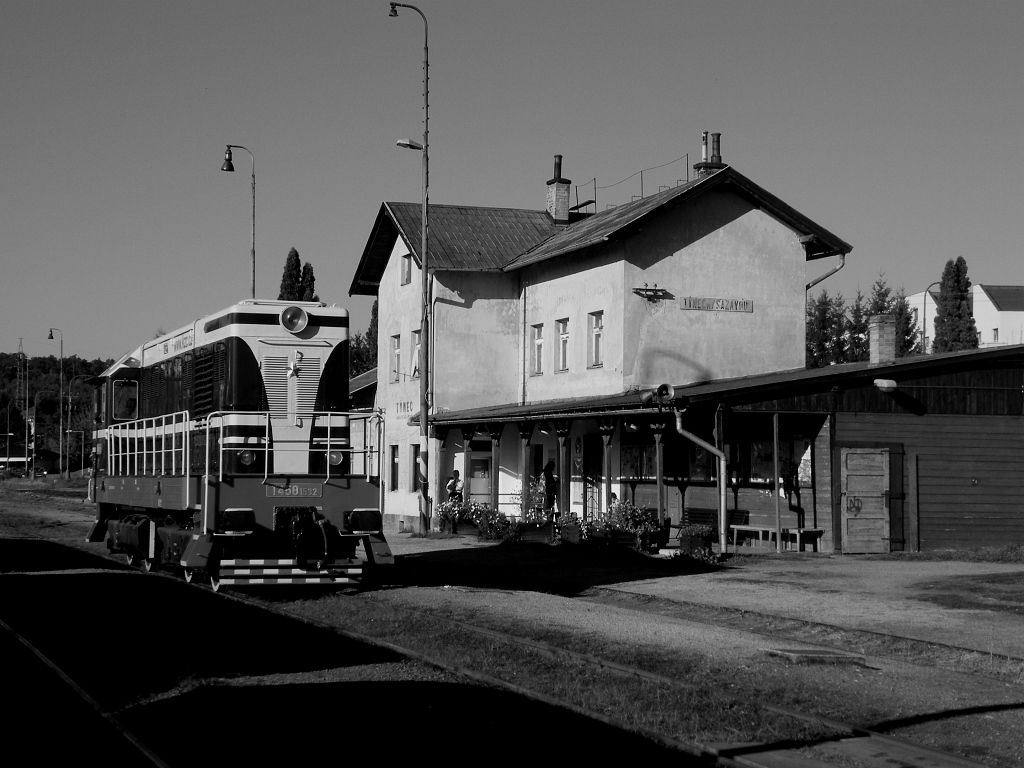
(214, 583)
(132, 559)
(146, 564)
(189, 574)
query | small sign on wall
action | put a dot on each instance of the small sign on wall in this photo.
(711, 304)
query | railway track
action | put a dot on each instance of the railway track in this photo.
(847, 743)
(478, 651)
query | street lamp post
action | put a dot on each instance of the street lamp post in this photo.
(60, 400)
(425, 284)
(230, 167)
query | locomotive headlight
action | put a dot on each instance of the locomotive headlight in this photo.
(335, 457)
(294, 319)
(246, 458)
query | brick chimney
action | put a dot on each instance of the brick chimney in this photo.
(881, 339)
(558, 194)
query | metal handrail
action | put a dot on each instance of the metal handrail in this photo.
(124, 451)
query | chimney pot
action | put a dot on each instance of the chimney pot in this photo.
(716, 151)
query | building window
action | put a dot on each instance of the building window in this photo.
(415, 362)
(537, 358)
(995, 334)
(407, 269)
(396, 358)
(393, 479)
(595, 351)
(563, 345)
(414, 470)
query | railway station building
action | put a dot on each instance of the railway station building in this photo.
(654, 352)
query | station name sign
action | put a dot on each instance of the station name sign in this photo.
(710, 304)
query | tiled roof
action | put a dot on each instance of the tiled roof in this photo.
(467, 237)
(609, 223)
(1006, 298)
(480, 239)
(461, 237)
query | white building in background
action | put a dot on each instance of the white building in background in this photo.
(998, 312)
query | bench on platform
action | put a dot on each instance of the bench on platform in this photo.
(800, 536)
(763, 533)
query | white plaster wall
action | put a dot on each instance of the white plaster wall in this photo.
(398, 312)
(723, 248)
(552, 293)
(477, 317)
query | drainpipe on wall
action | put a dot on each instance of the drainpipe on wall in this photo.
(522, 391)
(836, 268)
(723, 536)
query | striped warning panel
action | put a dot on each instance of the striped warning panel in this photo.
(233, 581)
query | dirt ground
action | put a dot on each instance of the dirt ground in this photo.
(653, 605)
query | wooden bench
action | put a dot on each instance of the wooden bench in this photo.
(802, 535)
(763, 533)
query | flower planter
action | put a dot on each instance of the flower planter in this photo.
(535, 532)
(695, 543)
(571, 533)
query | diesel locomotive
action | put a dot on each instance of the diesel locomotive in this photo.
(227, 450)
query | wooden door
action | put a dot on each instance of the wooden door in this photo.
(864, 499)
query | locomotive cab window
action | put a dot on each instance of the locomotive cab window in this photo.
(126, 400)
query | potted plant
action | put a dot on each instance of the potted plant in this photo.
(628, 519)
(695, 537)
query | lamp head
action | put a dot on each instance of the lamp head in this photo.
(394, 10)
(228, 165)
(409, 144)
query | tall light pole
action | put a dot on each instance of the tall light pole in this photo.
(60, 400)
(425, 283)
(230, 167)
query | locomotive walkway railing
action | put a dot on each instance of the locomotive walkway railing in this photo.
(162, 446)
(333, 439)
(156, 446)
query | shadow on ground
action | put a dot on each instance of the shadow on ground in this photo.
(202, 680)
(561, 569)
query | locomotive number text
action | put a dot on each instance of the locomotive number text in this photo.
(294, 491)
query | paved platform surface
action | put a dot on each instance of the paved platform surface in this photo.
(973, 605)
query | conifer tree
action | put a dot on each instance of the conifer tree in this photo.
(857, 330)
(906, 325)
(954, 323)
(826, 331)
(308, 283)
(291, 280)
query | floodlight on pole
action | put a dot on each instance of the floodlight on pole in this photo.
(424, 357)
(229, 166)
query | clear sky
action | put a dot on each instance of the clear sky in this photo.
(897, 125)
